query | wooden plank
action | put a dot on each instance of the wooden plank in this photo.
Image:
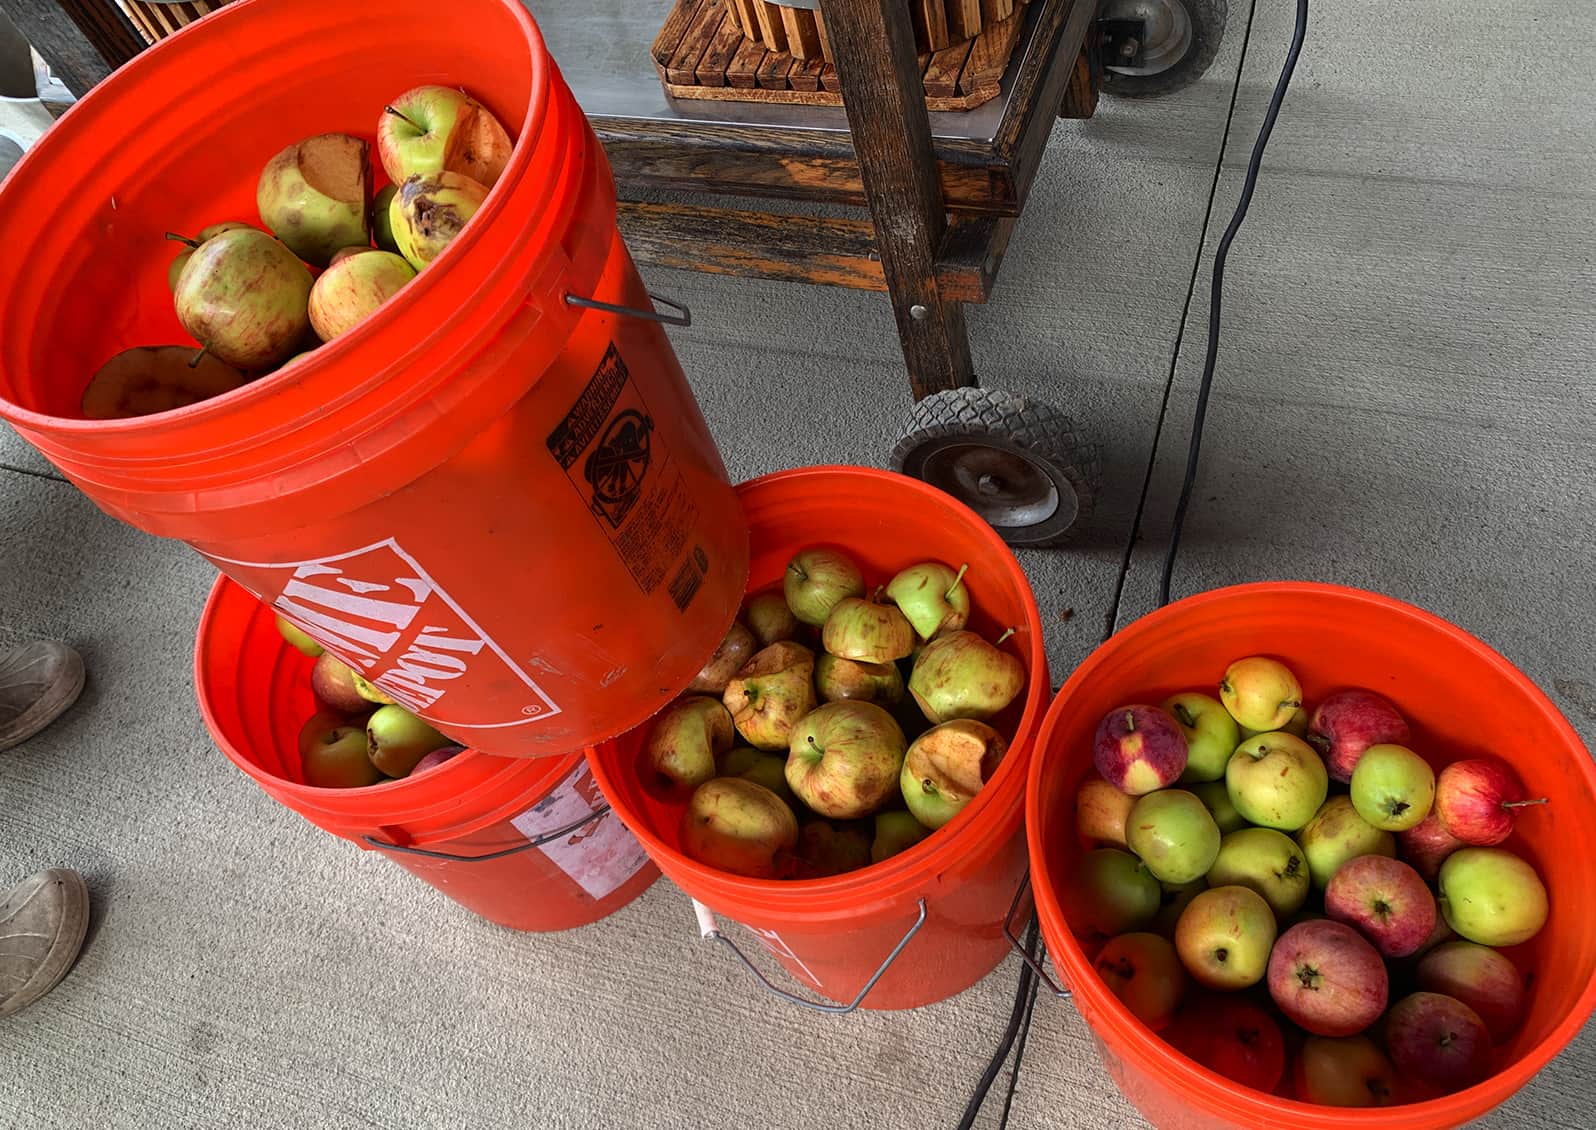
(930, 24)
(142, 22)
(803, 41)
(806, 75)
(773, 72)
(728, 38)
(820, 30)
(746, 20)
(964, 19)
(971, 256)
(83, 41)
(772, 32)
(742, 73)
(675, 27)
(993, 11)
(684, 64)
(875, 57)
(989, 57)
(942, 75)
(1038, 88)
(1086, 81)
(829, 79)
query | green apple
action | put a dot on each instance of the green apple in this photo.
(1392, 787)
(771, 693)
(1491, 896)
(838, 679)
(817, 578)
(1211, 735)
(1276, 781)
(760, 767)
(370, 691)
(396, 739)
(1216, 798)
(946, 766)
(770, 619)
(960, 675)
(433, 129)
(685, 739)
(296, 638)
(1336, 834)
(867, 631)
(827, 847)
(932, 596)
(351, 290)
(245, 297)
(1268, 862)
(1296, 726)
(1260, 693)
(1224, 937)
(740, 827)
(895, 832)
(315, 196)
(1115, 893)
(844, 760)
(428, 212)
(1174, 835)
(382, 218)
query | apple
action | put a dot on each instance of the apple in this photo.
(1327, 979)
(946, 766)
(1438, 1040)
(867, 631)
(770, 619)
(1268, 862)
(1145, 973)
(1350, 721)
(1139, 748)
(332, 754)
(348, 252)
(738, 826)
(1392, 787)
(771, 693)
(844, 759)
(145, 380)
(175, 270)
(1478, 799)
(1115, 892)
(1173, 834)
(436, 758)
(686, 738)
(428, 212)
(1345, 1071)
(396, 739)
(818, 578)
(759, 766)
(1100, 812)
(1481, 978)
(370, 691)
(350, 290)
(1427, 844)
(245, 297)
(1386, 900)
(1276, 781)
(895, 832)
(960, 675)
(315, 196)
(736, 648)
(1336, 834)
(1439, 935)
(1216, 798)
(1260, 693)
(932, 596)
(382, 219)
(1491, 896)
(827, 848)
(333, 684)
(297, 638)
(1174, 898)
(1211, 735)
(1296, 726)
(1224, 937)
(432, 129)
(1233, 1037)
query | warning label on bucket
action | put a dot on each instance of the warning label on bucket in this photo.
(609, 449)
(599, 855)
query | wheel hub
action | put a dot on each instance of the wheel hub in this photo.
(1004, 487)
(1164, 41)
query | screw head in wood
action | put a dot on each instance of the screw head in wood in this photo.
(918, 312)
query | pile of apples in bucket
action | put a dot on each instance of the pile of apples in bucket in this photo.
(1230, 886)
(798, 764)
(258, 301)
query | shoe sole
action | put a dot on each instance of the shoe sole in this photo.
(64, 949)
(50, 707)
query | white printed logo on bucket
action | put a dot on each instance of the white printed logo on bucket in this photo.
(601, 854)
(378, 610)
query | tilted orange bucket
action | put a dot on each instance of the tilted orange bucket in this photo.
(495, 499)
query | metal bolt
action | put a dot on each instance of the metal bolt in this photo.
(918, 312)
(989, 485)
(991, 263)
(1129, 48)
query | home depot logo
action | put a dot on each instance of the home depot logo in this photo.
(379, 611)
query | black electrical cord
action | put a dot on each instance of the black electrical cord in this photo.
(1025, 991)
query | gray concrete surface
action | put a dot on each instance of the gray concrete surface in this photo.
(1402, 403)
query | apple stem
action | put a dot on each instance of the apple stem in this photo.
(875, 597)
(998, 642)
(193, 362)
(172, 235)
(399, 114)
(957, 581)
(1525, 803)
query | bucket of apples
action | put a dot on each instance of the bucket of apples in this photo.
(1301, 850)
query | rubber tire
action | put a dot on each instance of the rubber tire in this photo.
(1013, 423)
(1208, 19)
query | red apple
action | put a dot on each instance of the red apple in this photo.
(1100, 812)
(1233, 1037)
(1347, 723)
(1327, 979)
(1143, 971)
(1426, 846)
(1349, 1071)
(333, 684)
(1386, 900)
(1438, 1040)
(1481, 978)
(1478, 799)
(1139, 748)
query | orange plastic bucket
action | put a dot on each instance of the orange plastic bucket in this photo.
(503, 507)
(557, 857)
(1461, 699)
(833, 935)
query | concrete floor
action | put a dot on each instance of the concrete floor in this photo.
(1402, 404)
